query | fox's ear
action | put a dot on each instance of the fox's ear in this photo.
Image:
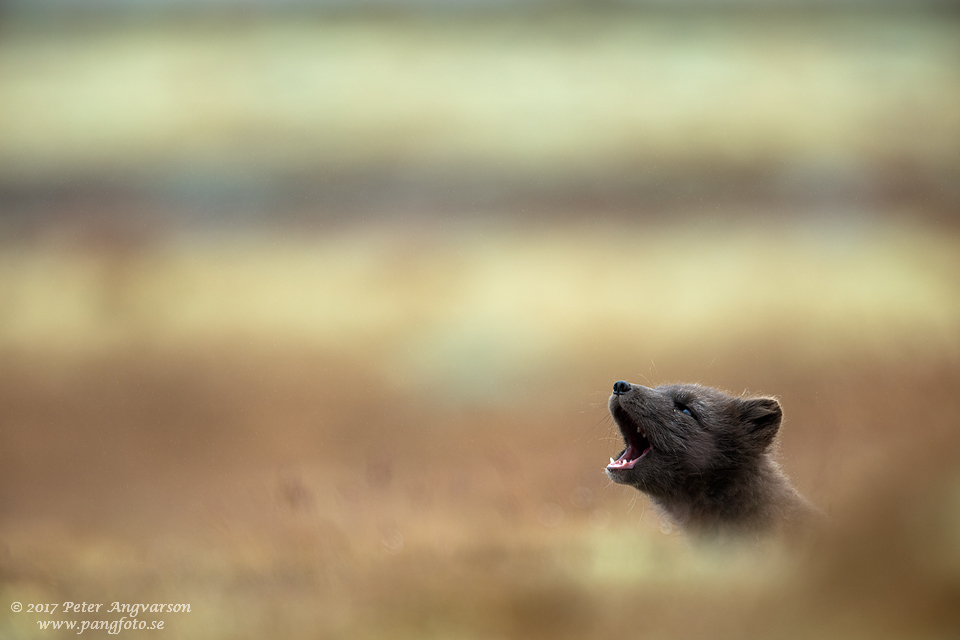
(761, 418)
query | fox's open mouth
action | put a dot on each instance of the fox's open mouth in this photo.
(633, 436)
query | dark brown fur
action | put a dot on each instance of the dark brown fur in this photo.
(709, 467)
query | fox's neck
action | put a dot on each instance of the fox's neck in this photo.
(747, 499)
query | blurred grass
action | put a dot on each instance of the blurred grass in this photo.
(464, 308)
(397, 434)
(587, 93)
(290, 494)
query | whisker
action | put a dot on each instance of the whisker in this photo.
(633, 502)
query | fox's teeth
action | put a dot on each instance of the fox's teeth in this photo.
(612, 460)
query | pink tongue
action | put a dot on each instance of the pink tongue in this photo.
(627, 460)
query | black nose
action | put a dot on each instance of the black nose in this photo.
(620, 387)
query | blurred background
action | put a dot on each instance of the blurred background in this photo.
(309, 310)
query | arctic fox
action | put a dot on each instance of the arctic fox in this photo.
(704, 458)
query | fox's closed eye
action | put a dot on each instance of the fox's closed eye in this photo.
(682, 408)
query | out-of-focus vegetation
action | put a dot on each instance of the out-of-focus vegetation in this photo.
(537, 96)
(311, 322)
(459, 309)
(833, 104)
